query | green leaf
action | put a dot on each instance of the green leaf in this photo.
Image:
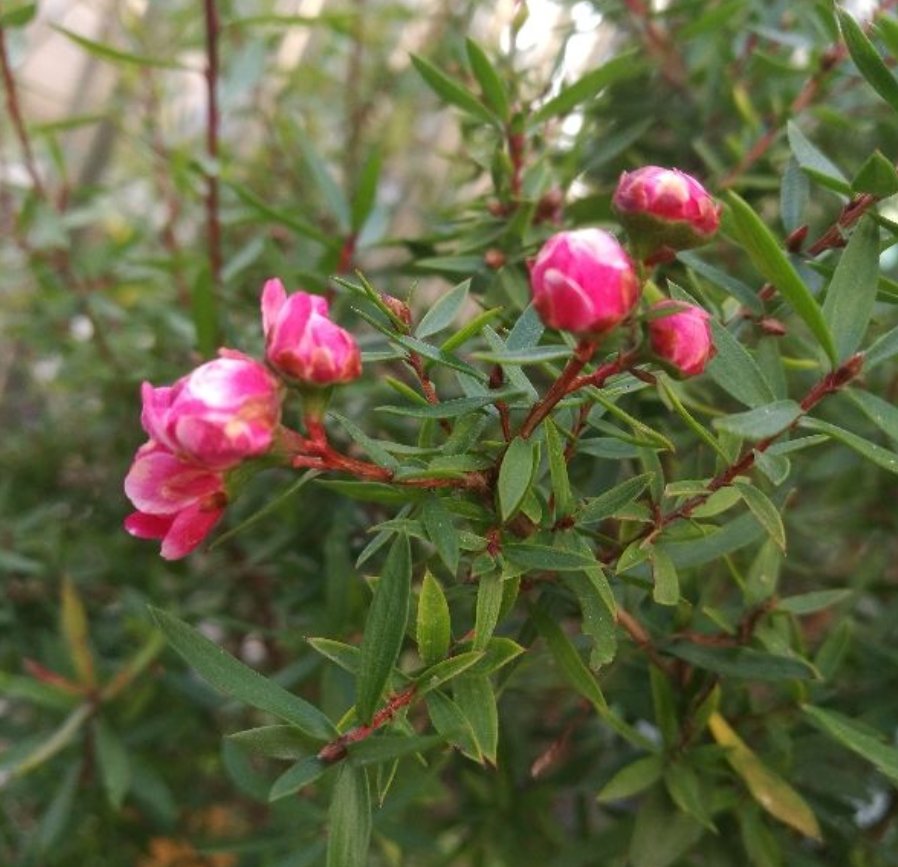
(794, 196)
(366, 191)
(521, 357)
(813, 161)
(274, 742)
(471, 329)
(305, 771)
(384, 628)
(442, 314)
(632, 779)
(667, 585)
(488, 78)
(598, 609)
(349, 819)
(736, 288)
(387, 748)
(372, 448)
(18, 15)
(449, 721)
(662, 834)
(736, 371)
(535, 556)
(475, 698)
(347, 656)
(447, 669)
(882, 413)
(115, 769)
(612, 501)
(73, 623)
(516, 475)
(852, 290)
(762, 422)
(883, 756)
(323, 179)
(106, 52)
(232, 677)
(441, 530)
(489, 604)
(867, 60)
(764, 510)
(450, 408)
(453, 92)
(561, 486)
(284, 218)
(772, 792)
(204, 311)
(433, 629)
(59, 813)
(625, 65)
(808, 603)
(743, 662)
(882, 349)
(569, 662)
(685, 790)
(872, 452)
(499, 652)
(877, 176)
(768, 257)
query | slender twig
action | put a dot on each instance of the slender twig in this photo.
(336, 750)
(834, 236)
(641, 638)
(15, 114)
(213, 224)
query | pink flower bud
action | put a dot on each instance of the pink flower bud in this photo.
(682, 339)
(583, 282)
(223, 412)
(301, 341)
(176, 501)
(665, 210)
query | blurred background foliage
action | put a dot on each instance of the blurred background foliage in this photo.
(334, 154)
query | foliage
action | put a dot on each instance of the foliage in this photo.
(649, 623)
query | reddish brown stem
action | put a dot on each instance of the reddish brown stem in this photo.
(585, 350)
(336, 750)
(641, 638)
(834, 236)
(213, 224)
(15, 114)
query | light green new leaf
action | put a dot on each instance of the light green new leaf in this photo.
(349, 819)
(384, 628)
(772, 792)
(882, 756)
(769, 258)
(764, 510)
(489, 604)
(852, 290)
(232, 677)
(476, 700)
(632, 779)
(433, 630)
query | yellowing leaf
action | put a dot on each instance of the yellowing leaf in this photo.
(771, 791)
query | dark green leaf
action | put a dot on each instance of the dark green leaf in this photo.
(531, 355)
(349, 819)
(666, 590)
(607, 504)
(450, 408)
(275, 742)
(115, 769)
(867, 60)
(771, 261)
(475, 698)
(535, 556)
(632, 779)
(852, 290)
(883, 756)
(384, 628)
(882, 413)
(372, 448)
(808, 603)
(877, 176)
(742, 662)
(433, 630)
(305, 771)
(561, 486)
(447, 669)
(442, 314)
(872, 452)
(736, 371)
(232, 677)
(661, 833)
(764, 510)
(489, 603)
(489, 80)
(386, 748)
(441, 530)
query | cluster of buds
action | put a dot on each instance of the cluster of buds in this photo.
(225, 412)
(585, 282)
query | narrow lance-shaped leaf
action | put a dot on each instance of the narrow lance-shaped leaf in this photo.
(561, 486)
(75, 633)
(736, 371)
(516, 475)
(442, 314)
(667, 585)
(453, 92)
(349, 819)
(852, 290)
(769, 258)
(489, 80)
(433, 626)
(764, 510)
(441, 530)
(772, 792)
(884, 458)
(867, 59)
(489, 603)
(384, 628)
(232, 677)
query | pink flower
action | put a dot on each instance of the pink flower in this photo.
(301, 341)
(683, 339)
(583, 282)
(665, 209)
(223, 412)
(176, 501)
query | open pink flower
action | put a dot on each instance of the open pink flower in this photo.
(220, 414)
(583, 282)
(665, 209)
(302, 342)
(682, 339)
(176, 501)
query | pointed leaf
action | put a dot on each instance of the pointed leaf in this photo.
(349, 819)
(735, 370)
(489, 80)
(442, 314)
(433, 631)
(441, 530)
(666, 590)
(884, 458)
(764, 510)
(516, 475)
(453, 92)
(867, 59)
(762, 422)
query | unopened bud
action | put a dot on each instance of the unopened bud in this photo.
(682, 339)
(494, 258)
